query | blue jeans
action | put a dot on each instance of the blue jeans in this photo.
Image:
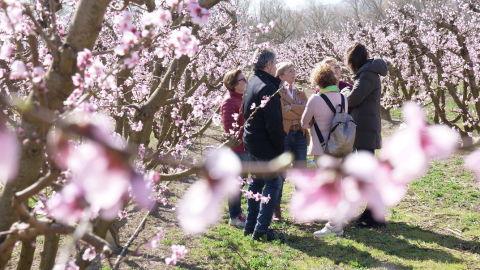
(235, 202)
(297, 143)
(259, 216)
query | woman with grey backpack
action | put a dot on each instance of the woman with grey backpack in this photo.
(318, 117)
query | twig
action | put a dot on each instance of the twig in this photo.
(241, 257)
(54, 18)
(129, 242)
(39, 30)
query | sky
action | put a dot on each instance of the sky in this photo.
(295, 3)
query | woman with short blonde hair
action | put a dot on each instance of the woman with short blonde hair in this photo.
(293, 101)
(337, 69)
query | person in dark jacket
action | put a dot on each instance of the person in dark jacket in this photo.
(263, 139)
(364, 107)
(233, 119)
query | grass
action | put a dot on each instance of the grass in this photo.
(435, 227)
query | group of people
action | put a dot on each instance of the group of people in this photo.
(285, 124)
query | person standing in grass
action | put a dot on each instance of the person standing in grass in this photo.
(232, 116)
(318, 110)
(264, 140)
(293, 101)
(364, 101)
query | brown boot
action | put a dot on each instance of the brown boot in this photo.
(277, 213)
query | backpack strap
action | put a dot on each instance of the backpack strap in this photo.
(343, 103)
(329, 103)
(317, 130)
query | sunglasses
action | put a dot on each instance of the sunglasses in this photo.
(243, 79)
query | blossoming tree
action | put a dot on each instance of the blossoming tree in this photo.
(83, 96)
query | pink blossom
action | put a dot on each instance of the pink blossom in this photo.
(257, 196)
(171, 3)
(216, 120)
(249, 180)
(68, 205)
(37, 74)
(159, 17)
(10, 155)
(89, 254)
(137, 127)
(318, 194)
(265, 200)
(6, 51)
(132, 61)
(199, 15)
(408, 149)
(70, 266)
(83, 58)
(264, 101)
(122, 214)
(184, 42)
(129, 38)
(201, 203)
(121, 49)
(178, 253)
(19, 70)
(253, 106)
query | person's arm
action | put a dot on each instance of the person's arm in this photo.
(287, 110)
(228, 109)
(308, 113)
(300, 108)
(273, 119)
(361, 89)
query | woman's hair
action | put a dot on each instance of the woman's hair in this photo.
(330, 60)
(356, 56)
(231, 79)
(323, 76)
(282, 67)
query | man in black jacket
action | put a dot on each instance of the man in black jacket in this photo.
(263, 139)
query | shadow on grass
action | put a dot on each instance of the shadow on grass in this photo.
(382, 239)
(395, 240)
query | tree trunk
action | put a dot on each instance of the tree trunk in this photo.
(385, 114)
(49, 252)
(26, 255)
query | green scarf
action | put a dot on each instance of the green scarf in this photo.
(331, 88)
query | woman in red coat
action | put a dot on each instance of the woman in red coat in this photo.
(233, 119)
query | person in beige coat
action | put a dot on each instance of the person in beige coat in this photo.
(317, 109)
(293, 102)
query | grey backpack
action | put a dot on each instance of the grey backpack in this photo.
(342, 134)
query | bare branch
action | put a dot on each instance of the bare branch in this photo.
(38, 30)
(38, 186)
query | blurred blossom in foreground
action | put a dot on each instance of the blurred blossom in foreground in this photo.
(318, 192)
(101, 177)
(472, 162)
(9, 158)
(201, 204)
(379, 183)
(409, 149)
